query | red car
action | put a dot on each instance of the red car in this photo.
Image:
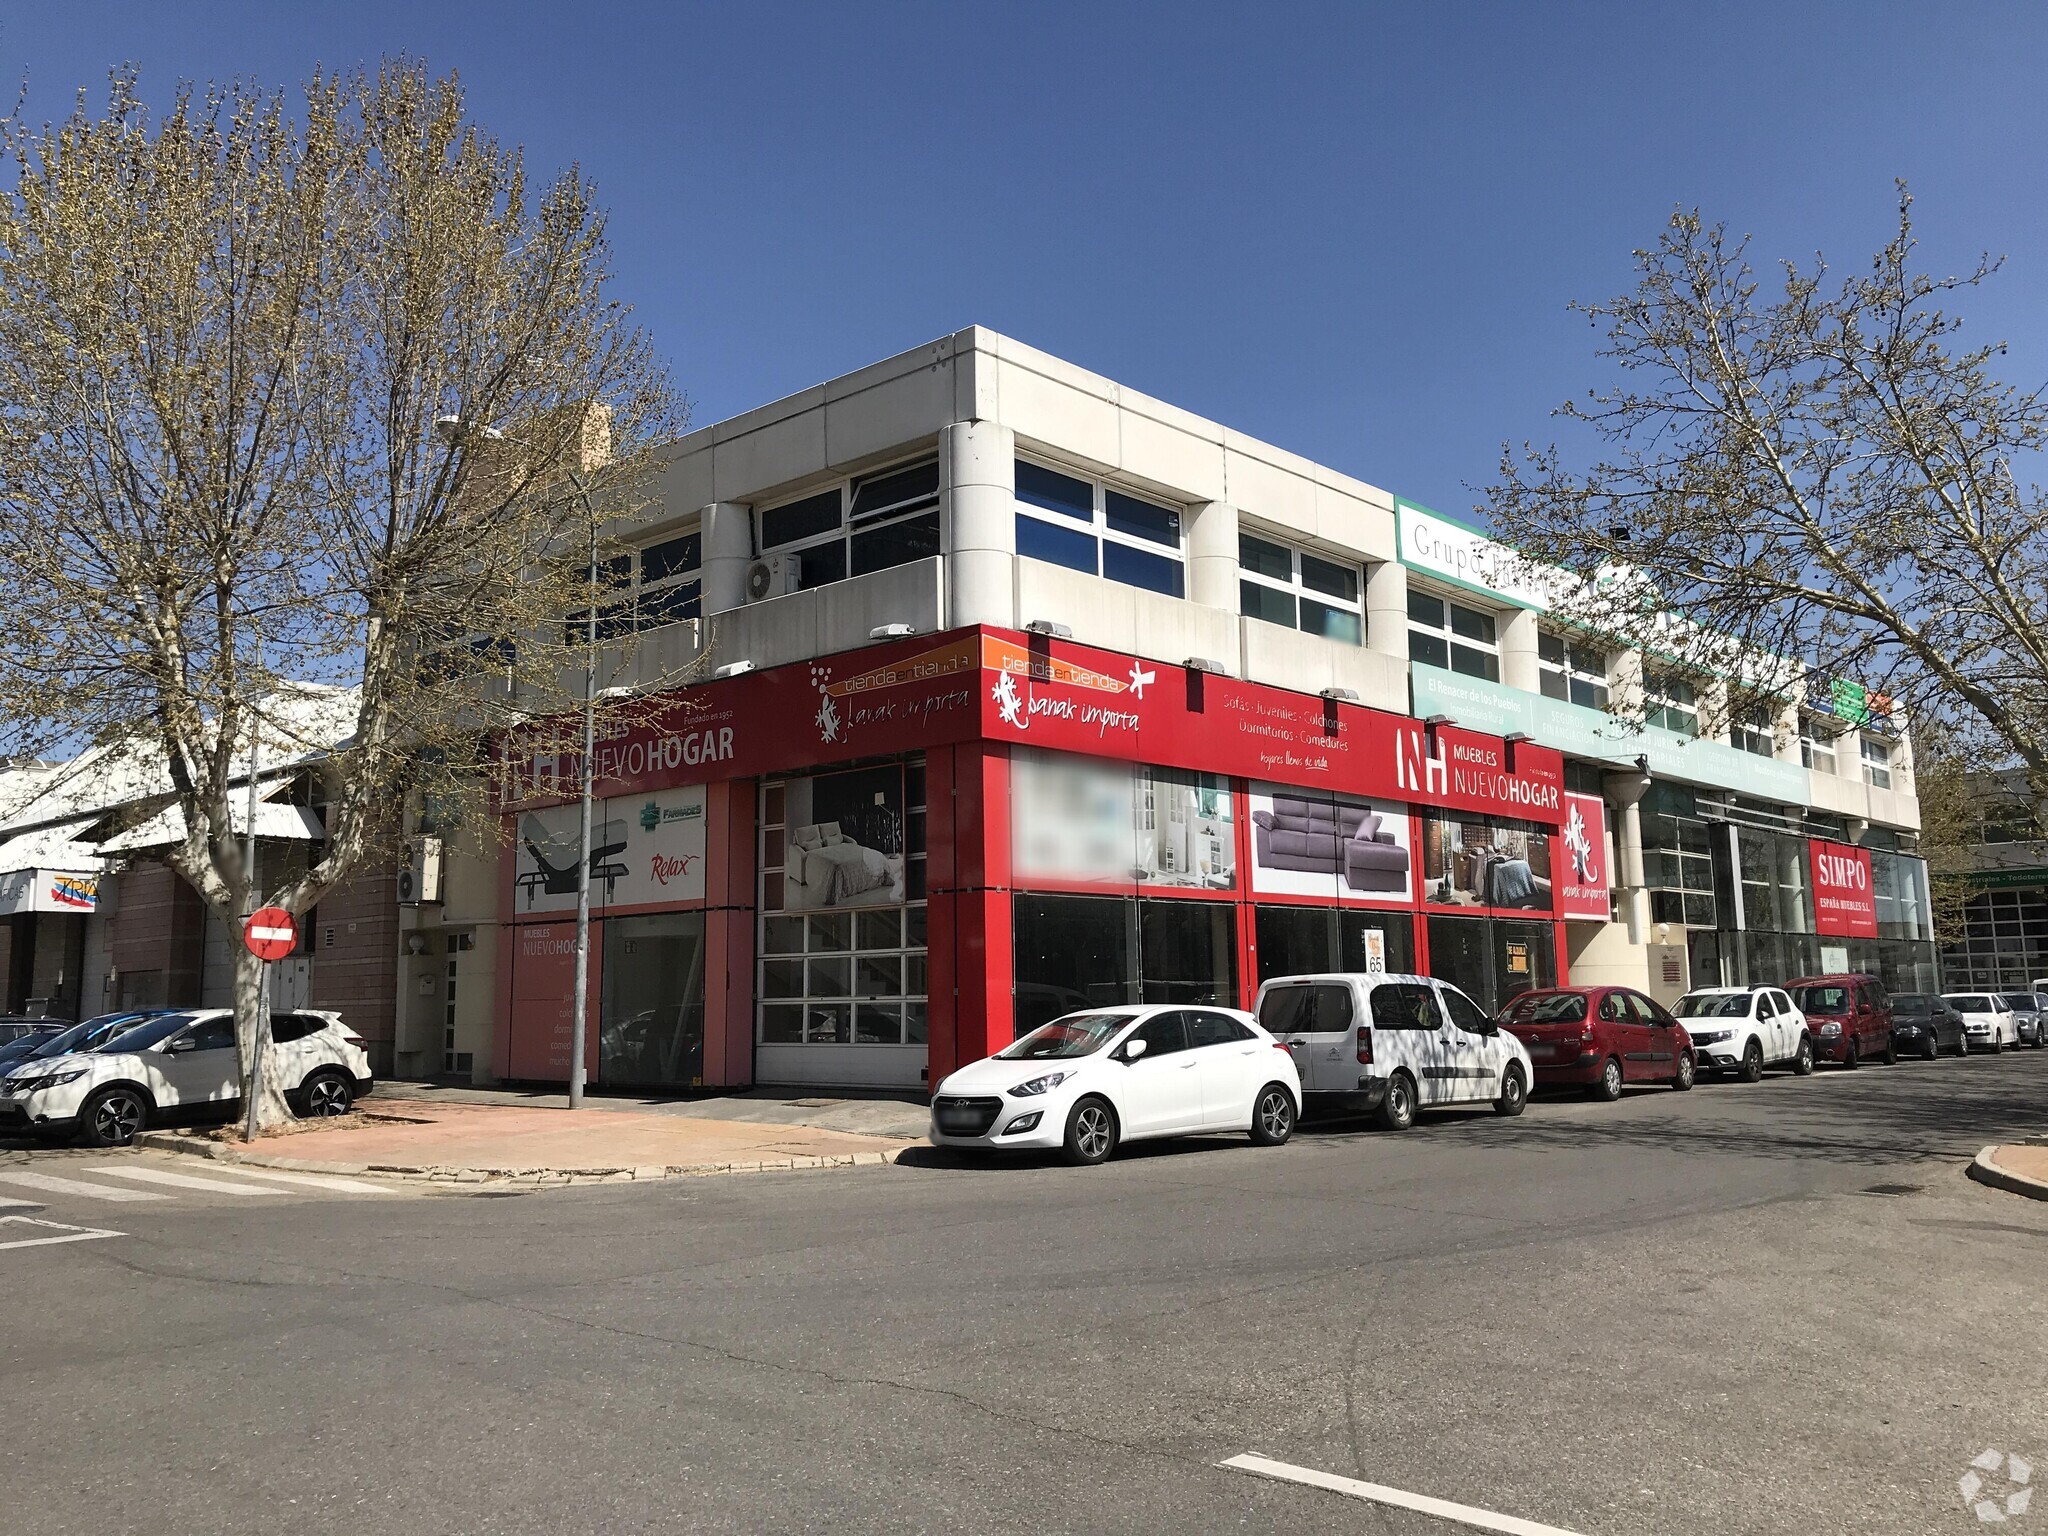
(1848, 1016)
(1599, 1038)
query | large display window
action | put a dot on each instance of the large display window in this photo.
(1077, 952)
(651, 1015)
(1492, 959)
(1306, 941)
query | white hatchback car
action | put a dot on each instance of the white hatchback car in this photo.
(1088, 1082)
(1392, 1044)
(178, 1063)
(1745, 1029)
(1988, 1024)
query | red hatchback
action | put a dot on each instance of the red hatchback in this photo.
(1848, 1017)
(1599, 1038)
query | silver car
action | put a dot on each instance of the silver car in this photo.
(2027, 1010)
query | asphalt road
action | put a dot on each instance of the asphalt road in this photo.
(1778, 1308)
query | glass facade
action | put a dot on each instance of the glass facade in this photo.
(1306, 941)
(650, 1029)
(2004, 942)
(1492, 959)
(1075, 952)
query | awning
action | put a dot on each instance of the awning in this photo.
(288, 823)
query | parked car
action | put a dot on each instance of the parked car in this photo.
(1599, 1038)
(1848, 1015)
(26, 1044)
(1742, 1030)
(1989, 1024)
(1088, 1082)
(87, 1035)
(1923, 1024)
(1388, 1045)
(180, 1064)
(2026, 1016)
(14, 1025)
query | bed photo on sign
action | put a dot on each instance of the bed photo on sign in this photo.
(1478, 861)
(1310, 843)
(844, 841)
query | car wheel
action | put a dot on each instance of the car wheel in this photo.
(1929, 1051)
(1397, 1109)
(1688, 1070)
(1802, 1059)
(1091, 1132)
(113, 1117)
(1273, 1116)
(1752, 1063)
(328, 1093)
(1851, 1061)
(1609, 1086)
(1514, 1093)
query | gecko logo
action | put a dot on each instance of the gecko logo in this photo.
(1415, 770)
(1579, 841)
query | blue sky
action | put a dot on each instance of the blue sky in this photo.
(1352, 230)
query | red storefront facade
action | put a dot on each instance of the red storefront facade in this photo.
(873, 867)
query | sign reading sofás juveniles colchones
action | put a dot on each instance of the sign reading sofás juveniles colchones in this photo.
(1844, 903)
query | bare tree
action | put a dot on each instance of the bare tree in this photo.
(1821, 474)
(227, 335)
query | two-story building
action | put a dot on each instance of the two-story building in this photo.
(1030, 692)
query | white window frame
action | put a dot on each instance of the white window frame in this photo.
(1577, 667)
(1099, 528)
(1660, 703)
(690, 576)
(1879, 768)
(1449, 635)
(849, 527)
(1817, 746)
(1755, 732)
(1294, 587)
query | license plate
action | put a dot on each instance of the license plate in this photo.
(1542, 1052)
(958, 1122)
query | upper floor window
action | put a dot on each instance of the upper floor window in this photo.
(1572, 670)
(1447, 634)
(1754, 731)
(867, 524)
(1291, 587)
(1098, 530)
(661, 584)
(1670, 702)
(1877, 762)
(1816, 745)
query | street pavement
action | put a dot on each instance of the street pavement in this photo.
(1779, 1308)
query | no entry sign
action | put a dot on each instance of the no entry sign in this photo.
(271, 933)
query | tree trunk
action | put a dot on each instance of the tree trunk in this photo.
(263, 1101)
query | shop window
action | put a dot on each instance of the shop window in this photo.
(1187, 952)
(1490, 959)
(1753, 730)
(1572, 670)
(1479, 861)
(1100, 531)
(650, 1029)
(1079, 952)
(1877, 762)
(1309, 941)
(1671, 703)
(1442, 633)
(1816, 745)
(1281, 584)
(866, 524)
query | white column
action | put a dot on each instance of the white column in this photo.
(1624, 791)
(978, 510)
(1386, 610)
(1212, 555)
(1716, 722)
(728, 528)
(1785, 731)
(1625, 684)
(1518, 665)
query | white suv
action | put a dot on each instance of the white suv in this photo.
(179, 1062)
(1745, 1029)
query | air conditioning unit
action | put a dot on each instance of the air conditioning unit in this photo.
(774, 576)
(419, 881)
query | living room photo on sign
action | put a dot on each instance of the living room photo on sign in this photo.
(1483, 861)
(1310, 843)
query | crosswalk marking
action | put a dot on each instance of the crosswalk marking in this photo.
(178, 1180)
(57, 1186)
(313, 1180)
(21, 1205)
(62, 1233)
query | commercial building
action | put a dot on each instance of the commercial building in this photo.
(1035, 692)
(2001, 943)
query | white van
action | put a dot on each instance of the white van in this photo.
(1389, 1045)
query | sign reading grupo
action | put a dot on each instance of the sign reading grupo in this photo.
(1844, 903)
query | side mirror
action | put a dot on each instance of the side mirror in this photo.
(180, 1047)
(1133, 1049)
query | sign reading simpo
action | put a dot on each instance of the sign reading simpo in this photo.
(1844, 904)
(1468, 557)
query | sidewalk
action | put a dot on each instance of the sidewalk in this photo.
(473, 1136)
(2019, 1170)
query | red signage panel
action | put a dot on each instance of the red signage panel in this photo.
(1583, 881)
(1844, 904)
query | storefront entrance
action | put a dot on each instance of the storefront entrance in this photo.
(1492, 959)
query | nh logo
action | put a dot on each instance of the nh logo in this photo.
(1415, 769)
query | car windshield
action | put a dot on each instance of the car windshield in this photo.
(149, 1032)
(1546, 1008)
(1821, 999)
(1912, 1002)
(2019, 1002)
(85, 1036)
(1971, 1002)
(1078, 1034)
(1713, 1005)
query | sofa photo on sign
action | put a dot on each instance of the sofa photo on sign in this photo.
(1330, 838)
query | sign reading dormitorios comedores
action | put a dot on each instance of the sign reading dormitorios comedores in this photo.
(1844, 904)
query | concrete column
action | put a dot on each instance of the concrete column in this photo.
(1386, 610)
(1785, 737)
(1902, 761)
(1625, 684)
(1212, 556)
(1518, 662)
(728, 529)
(1624, 791)
(1715, 724)
(978, 511)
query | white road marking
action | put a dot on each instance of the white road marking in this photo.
(178, 1180)
(1422, 1504)
(57, 1186)
(21, 1205)
(72, 1234)
(339, 1185)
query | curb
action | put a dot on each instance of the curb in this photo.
(436, 1173)
(1984, 1169)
